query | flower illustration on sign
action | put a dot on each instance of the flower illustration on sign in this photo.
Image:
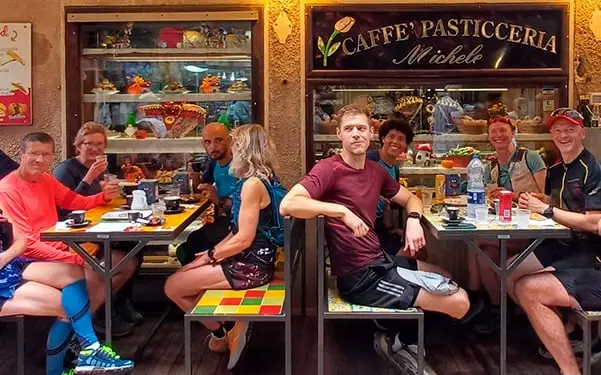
(343, 25)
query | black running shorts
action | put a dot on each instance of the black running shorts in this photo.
(576, 267)
(379, 285)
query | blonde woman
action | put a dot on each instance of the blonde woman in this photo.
(84, 174)
(245, 258)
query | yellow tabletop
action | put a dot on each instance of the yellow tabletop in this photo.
(173, 225)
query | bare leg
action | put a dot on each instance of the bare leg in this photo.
(35, 299)
(473, 281)
(54, 274)
(456, 305)
(184, 287)
(539, 295)
(528, 266)
(489, 278)
(95, 280)
(429, 267)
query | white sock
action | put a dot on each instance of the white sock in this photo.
(93, 346)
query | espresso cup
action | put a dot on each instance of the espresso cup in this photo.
(78, 217)
(453, 213)
(172, 203)
(128, 187)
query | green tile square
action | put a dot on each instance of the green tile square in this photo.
(204, 310)
(273, 301)
(226, 310)
(251, 301)
(277, 287)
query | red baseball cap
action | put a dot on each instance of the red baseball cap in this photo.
(571, 115)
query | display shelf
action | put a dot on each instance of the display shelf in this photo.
(413, 170)
(125, 145)
(453, 137)
(159, 97)
(153, 52)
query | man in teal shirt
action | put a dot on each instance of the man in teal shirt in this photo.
(217, 184)
(395, 136)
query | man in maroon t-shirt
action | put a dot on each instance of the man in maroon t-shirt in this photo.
(345, 189)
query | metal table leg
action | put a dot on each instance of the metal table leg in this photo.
(108, 289)
(503, 269)
(187, 346)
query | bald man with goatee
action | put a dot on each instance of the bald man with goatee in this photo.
(217, 184)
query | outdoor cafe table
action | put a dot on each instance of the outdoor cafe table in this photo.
(169, 231)
(537, 230)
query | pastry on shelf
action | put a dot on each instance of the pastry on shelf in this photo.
(210, 84)
(238, 86)
(105, 87)
(497, 109)
(164, 176)
(179, 118)
(236, 41)
(131, 172)
(137, 85)
(175, 87)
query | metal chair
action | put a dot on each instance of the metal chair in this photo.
(208, 306)
(331, 306)
(20, 322)
(585, 318)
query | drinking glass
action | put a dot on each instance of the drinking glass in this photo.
(108, 177)
(158, 210)
(427, 198)
(481, 215)
(522, 217)
(173, 191)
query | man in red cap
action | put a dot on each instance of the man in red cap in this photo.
(564, 273)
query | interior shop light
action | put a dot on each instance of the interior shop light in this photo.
(489, 89)
(195, 69)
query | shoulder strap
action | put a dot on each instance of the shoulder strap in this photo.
(269, 188)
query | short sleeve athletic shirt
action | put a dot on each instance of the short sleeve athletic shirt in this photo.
(334, 181)
(576, 186)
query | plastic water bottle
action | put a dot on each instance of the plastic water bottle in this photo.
(476, 193)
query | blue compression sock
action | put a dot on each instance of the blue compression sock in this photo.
(76, 304)
(58, 341)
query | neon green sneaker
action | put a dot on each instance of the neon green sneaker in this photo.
(69, 372)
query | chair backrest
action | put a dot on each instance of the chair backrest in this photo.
(294, 248)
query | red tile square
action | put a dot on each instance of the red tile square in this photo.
(270, 310)
(254, 294)
(230, 302)
(277, 281)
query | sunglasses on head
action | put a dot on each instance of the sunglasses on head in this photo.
(567, 112)
(502, 119)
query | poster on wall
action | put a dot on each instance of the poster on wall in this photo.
(15, 74)
(448, 39)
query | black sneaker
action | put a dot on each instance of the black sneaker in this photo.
(403, 358)
(72, 353)
(120, 327)
(128, 313)
(488, 322)
(476, 307)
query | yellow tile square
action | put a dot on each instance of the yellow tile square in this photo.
(274, 294)
(249, 309)
(209, 301)
(234, 293)
(213, 293)
(225, 310)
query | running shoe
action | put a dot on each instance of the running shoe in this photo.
(68, 372)
(102, 361)
(403, 358)
(218, 344)
(236, 340)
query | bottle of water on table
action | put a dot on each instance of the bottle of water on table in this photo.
(476, 192)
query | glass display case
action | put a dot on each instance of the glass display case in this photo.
(154, 80)
(449, 121)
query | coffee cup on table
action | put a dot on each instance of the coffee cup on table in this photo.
(77, 217)
(128, 187)
(129, 199)
(172, 203)
(453, 213)
(132, 216)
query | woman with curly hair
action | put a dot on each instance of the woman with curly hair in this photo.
(245, 259)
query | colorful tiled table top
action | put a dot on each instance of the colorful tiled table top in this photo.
(264, 300)
(493, 224)
(337, 305)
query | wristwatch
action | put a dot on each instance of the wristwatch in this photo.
(211, 255)
(414, 215)
(548, 212)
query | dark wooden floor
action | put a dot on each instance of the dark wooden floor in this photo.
(157, 347)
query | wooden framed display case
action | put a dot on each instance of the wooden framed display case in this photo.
(167, 71)
(447, 70)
